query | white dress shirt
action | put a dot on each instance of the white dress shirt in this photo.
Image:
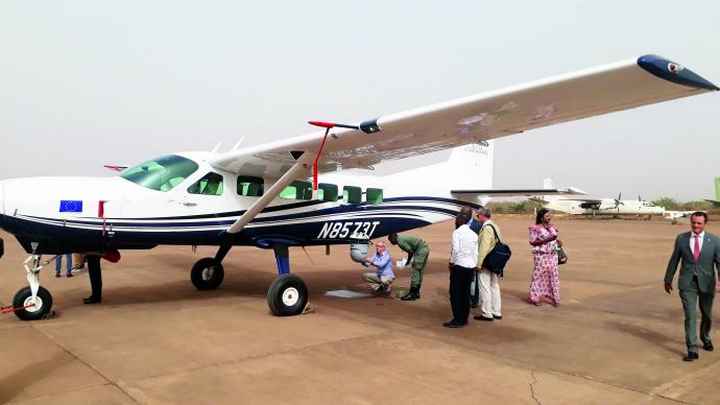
(692, 241)
(464, 249)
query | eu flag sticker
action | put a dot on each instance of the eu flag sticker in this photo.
(71, 206)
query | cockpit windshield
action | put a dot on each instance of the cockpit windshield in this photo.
(161, 174)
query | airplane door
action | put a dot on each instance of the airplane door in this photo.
(206, 195)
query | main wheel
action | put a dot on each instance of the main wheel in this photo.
(32, 310)
(207, 274)
(287, 295)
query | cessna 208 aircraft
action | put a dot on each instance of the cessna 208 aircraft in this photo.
(259, 196)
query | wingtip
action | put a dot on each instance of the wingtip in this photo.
(666, 69)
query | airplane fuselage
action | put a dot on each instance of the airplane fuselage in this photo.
(85, 214)
(605, 206)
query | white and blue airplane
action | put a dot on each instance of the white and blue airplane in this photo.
(268, 196)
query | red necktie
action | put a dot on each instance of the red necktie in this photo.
(696, 253)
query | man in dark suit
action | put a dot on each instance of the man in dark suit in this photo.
(699, 254)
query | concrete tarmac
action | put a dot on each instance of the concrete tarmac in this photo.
(616, 338)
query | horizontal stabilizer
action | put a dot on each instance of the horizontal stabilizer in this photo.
(528, 192)
(115, 168)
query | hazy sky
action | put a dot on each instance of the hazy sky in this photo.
(86, 83)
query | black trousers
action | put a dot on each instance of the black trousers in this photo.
(95, 273)
(460, 279)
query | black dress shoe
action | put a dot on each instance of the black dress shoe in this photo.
(691, 356)
(453, 324)
(482, 318)
(708, 346)
(92, 300)
(498, 317)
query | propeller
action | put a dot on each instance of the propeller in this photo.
(618, 200)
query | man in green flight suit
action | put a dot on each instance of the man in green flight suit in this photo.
(418, 251)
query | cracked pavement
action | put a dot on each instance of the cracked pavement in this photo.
(615, 339)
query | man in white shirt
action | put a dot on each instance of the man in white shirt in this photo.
(463, 261)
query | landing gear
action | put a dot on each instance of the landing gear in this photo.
(28, 308)
(33, 302)
(287, 295)
(207, 274)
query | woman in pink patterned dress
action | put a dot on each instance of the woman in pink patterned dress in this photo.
(544, 240)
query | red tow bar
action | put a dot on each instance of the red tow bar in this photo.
(10, 309)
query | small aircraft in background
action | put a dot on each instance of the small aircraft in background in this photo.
(269, 196)
(716, 201)
(598, 206)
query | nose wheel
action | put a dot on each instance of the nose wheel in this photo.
(29, 308)
(32, 302)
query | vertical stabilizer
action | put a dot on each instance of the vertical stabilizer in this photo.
(717, 188)
(467, 167)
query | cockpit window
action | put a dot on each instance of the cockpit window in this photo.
(161, 174)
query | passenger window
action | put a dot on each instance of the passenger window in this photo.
(327, 192)
(210, 184)
(352, 195)
(249, 186)
(297, 190)
(374, 195)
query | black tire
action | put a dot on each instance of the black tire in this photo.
(207, 274)
(287, 295)
(32, 313)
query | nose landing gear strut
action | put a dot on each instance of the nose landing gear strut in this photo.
(33, 302)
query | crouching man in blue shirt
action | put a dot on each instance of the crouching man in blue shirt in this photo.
(381, 280)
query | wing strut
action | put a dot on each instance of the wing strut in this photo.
(270, 194)
(317, 158)
(328, 126)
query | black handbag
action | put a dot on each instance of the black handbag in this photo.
(498, 257)
(562, 256)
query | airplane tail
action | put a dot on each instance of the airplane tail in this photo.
(716, 201)
(466, 167)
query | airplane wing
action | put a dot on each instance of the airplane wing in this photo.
(715, 203)
(584, 200)
(677, 214)
(619, 86)
(647, 80)
(517, 192)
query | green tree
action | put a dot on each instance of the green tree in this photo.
(668, 203)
